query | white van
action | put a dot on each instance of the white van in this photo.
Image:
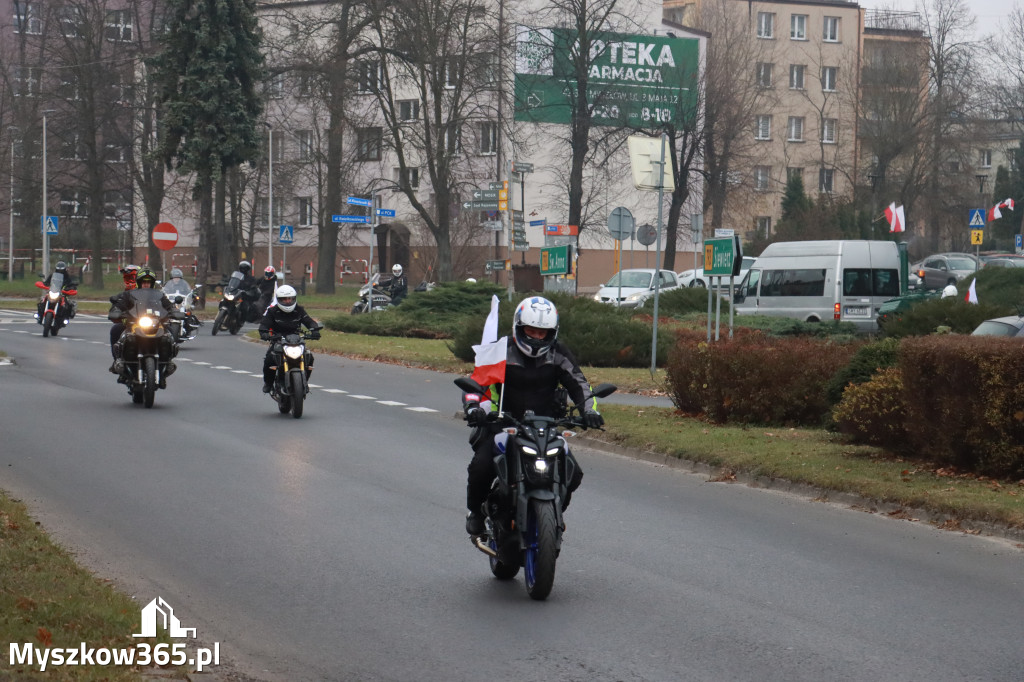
(846, 280)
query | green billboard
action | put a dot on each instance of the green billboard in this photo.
(556, 260)
(633, 81)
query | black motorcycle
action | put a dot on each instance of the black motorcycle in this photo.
(372, 297)
(523, 513)
(56, 309)
(291, 358)
(237, 306)
(147, 349)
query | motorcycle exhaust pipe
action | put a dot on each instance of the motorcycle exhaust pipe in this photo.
(478, 542)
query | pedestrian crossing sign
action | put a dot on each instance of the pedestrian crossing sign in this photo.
(287, 234)
(50, 224)
(977, 217)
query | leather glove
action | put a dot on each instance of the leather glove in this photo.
(592, 420)
(315, 335)
(476, 416)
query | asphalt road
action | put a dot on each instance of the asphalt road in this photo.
(331, 547)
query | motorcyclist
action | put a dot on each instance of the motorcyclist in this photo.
(284, 317)
(248, 281)
(60, 268)
(128, 274)
(267, 287)
(178, 285)
(536, 365)
(250, 293)
(123, 302)
(398, 288)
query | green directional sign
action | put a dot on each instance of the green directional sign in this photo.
(634, 81)
(556, 260)
(481, 205)
(721, 256)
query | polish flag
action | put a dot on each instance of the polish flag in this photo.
(995, 214)
(972, 295)
(897, 221)
(492, 352)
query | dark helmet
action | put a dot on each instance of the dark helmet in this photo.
(61, 266)
(146, 275)
(245, 267)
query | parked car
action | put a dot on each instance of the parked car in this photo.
(695, 278)
(942, 269)
(1012, 327)
(1007, 262)
(637, 287)
(894, 308)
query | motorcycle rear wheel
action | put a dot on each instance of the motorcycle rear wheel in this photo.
(149, 388)
(298, 393)
(47, 323)
(218, 322)
(541, 549)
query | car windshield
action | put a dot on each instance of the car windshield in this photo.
(961, 264)
(636, 280)
(995, 328)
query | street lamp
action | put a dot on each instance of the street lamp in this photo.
(10, 234)
(46, 212)
(270, 193)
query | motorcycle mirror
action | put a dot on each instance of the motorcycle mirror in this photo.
(468, 385)
(605, 390)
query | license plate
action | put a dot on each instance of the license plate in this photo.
(856, 310)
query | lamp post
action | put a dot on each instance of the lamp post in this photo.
(46, 212)
(10, 234)
(270, 194)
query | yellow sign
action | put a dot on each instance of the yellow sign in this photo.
(977, 236)
(503, 195)
(502, 205)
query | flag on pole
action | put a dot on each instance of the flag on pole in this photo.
(897, 221)
(972, 294)
(491, 354)
(995, 214)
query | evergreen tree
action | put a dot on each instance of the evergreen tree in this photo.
(208, 71)
(1008, 184)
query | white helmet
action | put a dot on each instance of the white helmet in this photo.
(949, 291)
(175, 273)
(396, 270)
(286, 301)
(539, 313)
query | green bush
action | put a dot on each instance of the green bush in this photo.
(678, 302)
(954, 314)
(873, 412)
(868, 360)
(786, 326)
(999, 287)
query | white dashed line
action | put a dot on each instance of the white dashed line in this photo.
(315, 386)
(420, 409)
(362, 397)
(333, 390)
(201, 363)
(391, 403)
(218, 366)
(239, 371)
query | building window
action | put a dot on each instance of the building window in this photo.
(277, 149)
(825, 178)
(123, 89)
(278, 218)
(304, 85)
(986, 158)
(304, 138)
(409, 110)
(488, 138)
(71, 148)
(765, 24)
(27, 18)
(793, 172)
(451, 72)
(118, 26)
(69, 89)
(370, 74)
(796, 76)
(829, 77)
(491, 68)
(74, 203)
(113, 150)
(830, 31)
(763, 225)
(828, 130)
(116, 206)
(412, 175)
(764, 74)
(795, 129)
(26, 81)
(764, 127)
(275, 89)
(368, 143)
(305, 210)
(798, 27)
(71, 21)
(452, 138)
(762, 174)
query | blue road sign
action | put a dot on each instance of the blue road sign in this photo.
(386, 212)
(542, 222)
(287, 235)
(49, 224)
(1018, 241)
(976, 217)
(349, 219)
(357, 201)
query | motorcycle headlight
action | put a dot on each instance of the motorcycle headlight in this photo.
(229, 297)
(294, 352)
(53, 295)
(147, 322)
(553, 451)
(540, 466)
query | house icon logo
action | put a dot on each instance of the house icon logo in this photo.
(159, 612)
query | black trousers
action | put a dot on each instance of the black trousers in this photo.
(115, 333)
(481, 471)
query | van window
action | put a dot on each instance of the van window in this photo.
(752, 279)
(870, 282)
(793, 283)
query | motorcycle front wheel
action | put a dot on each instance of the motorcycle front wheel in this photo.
(298, 393)
(47, 323)
(219, 321)
(235, 323)
(149, 388)
(541, 549)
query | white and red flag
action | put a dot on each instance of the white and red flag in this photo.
(897, 221)
(995, 214)
(972, 294)
(492, 352)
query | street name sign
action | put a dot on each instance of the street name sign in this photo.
(556, 260)
(386, 212)
(359, 201)
(349, 219)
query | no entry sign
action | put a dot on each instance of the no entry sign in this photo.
(165, 236)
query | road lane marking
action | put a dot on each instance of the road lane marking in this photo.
(334, 390)
(391, 403)
(362, 397)
(420, 409)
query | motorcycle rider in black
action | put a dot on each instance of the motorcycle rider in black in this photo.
(267, 287)
(62, 269)
(398, 289)
(283, 318)
(128, 273)
(143, 279)
(536, 365)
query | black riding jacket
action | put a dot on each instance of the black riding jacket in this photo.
(278, 323)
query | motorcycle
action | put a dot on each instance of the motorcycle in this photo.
(147, 349)
(523, 513)
(183, 299)
(57, 310)
(290, 361)
(371, 290)
(237, 306)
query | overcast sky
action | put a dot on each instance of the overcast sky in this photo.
(988, 12)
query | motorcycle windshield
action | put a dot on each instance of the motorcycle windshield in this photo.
(235, 283)
(173, 288)
(56, 282)
(147, 302)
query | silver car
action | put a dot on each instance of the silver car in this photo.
(936, 272)
(636, 287)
